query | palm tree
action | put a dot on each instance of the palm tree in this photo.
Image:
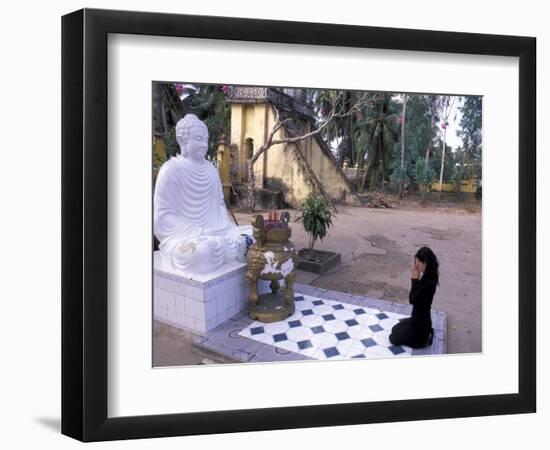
(379, 127)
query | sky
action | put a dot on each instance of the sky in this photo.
(452, 139)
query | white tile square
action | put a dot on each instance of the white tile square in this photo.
(344, 346)
(319, 354)
(312, 321)
(171, 315)
(220, 305)
(159, 283)
(210, 294)
(299, 334)
(309, 351)
(385, 352)
(179, 301)
(382, 338)
(180, 289)
(330, 341)
(210, 309)
(190, 322)
(372, 352)
(155, 296)
(169, 285)
(161, 297)
(200, 325)
(180, 320)
(235, 310)
(321, 310)
(288, 345)
(359, 332)
(356, 348)
(318, 339)
(349, 306)
(344, 314)
(393, 315)
(388, 324)
(170, 301)
(161, 313)
(199, 311)
(276, 327)
(335, 326)
(220, 290)
(193, 293)
(371, 320)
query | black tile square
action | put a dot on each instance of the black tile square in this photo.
(381, 316)
(396, 349)
(329, 317)
(342, 336)
(369, 342)
(351, 322)
(298, 298)
(317, 330)
(294, 323)
(376, 327)
(307, 312)
(359, 311)
(337, 307)
(331, 351)
(360, 355)
(280, 337)
(318, 302)
(257, 330)
(302, 345)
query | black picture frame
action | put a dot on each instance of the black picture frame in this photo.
(84, 224)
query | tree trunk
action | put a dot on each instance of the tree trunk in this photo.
(364, 176)
(251, 199)
(442, 161)
(430, 142)
(402, 182)
(430, 145)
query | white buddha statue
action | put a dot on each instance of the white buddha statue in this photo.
(190, 218)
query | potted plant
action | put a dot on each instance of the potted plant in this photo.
(316, 217)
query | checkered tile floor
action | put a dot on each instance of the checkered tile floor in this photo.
(328, 329)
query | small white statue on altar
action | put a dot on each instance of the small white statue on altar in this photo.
(191, 220)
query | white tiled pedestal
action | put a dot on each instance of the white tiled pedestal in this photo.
(199, 303)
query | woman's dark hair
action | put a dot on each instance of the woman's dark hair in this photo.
(427, 256)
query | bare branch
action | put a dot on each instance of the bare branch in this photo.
(338, 110)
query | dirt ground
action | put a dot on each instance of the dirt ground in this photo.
(378, 245)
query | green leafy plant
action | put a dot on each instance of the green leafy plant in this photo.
(316, 217)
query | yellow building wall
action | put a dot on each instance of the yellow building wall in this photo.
(282, 168)
(248, 122)
(469, 186)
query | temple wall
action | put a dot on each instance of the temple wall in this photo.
(332, 179)
(248, 122)
(282, 169)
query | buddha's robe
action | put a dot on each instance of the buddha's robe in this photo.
(191, 221)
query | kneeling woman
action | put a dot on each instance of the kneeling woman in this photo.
(416, 331)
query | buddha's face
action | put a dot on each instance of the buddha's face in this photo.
(197, 143)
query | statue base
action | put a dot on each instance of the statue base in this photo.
(271, 308)
(199, 303)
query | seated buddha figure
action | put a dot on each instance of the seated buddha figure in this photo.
(191, 220)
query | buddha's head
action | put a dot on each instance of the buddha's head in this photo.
(192, 137)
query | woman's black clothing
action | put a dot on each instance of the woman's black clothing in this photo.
(416, 331)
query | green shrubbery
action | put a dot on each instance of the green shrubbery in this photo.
(316, 217)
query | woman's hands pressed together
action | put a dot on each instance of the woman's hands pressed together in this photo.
(415, 273)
